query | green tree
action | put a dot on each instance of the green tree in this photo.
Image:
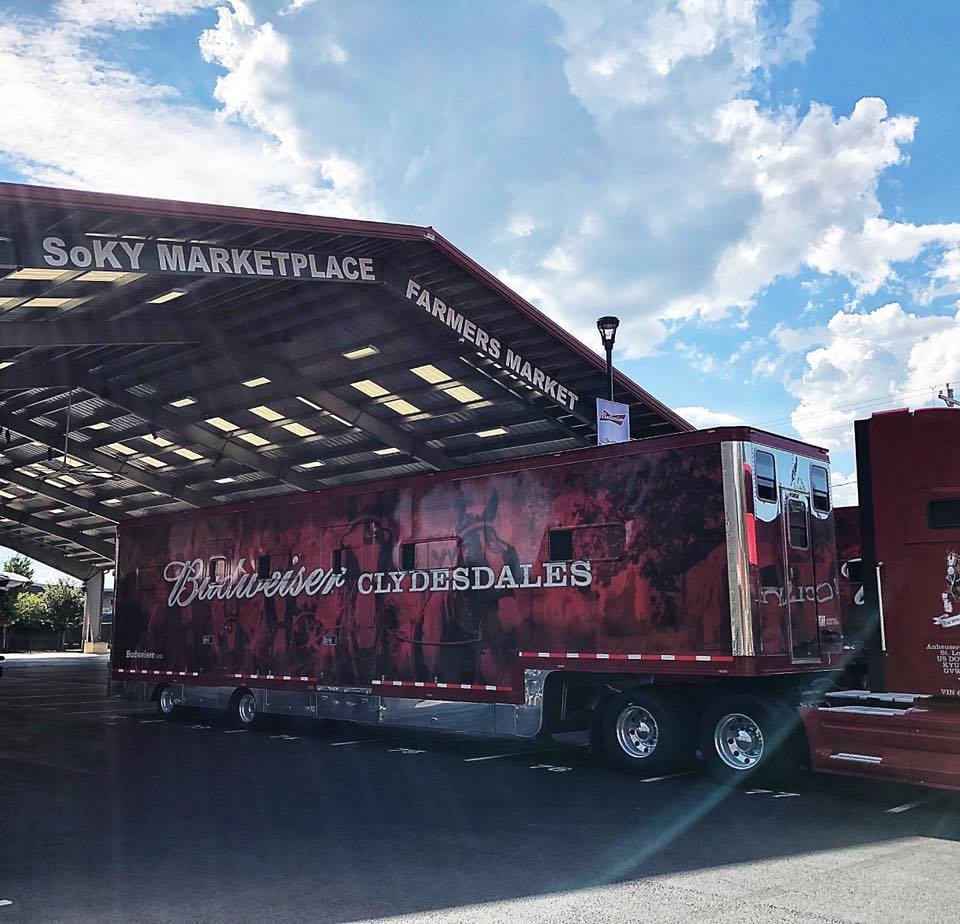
(58, 607)
(29, 611)
(63, 605)
(8, 613)
(21, 565)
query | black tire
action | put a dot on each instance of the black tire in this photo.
(746, 738)
(166, 703)
(242, 711)
(644, 732)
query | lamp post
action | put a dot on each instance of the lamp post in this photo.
(607, 326)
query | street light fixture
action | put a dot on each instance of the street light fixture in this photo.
(607, 325)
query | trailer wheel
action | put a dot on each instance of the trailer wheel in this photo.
(748, 738)
(243, 709)
(643, 732)
(166, 702)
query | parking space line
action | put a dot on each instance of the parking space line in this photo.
(53, 707)
(47, 695)
(336, 744)
(233, 731)
(101, 712)
(906, 807)
(668, 776)
(95, 712)
(468, 760)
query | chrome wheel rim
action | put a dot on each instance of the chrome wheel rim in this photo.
(167, 702)
(247, 708)
(637, 732)
(739, 741)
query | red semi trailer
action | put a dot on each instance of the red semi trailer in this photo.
(671, 594)
(905, 629)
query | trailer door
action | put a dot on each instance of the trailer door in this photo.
(800, 578)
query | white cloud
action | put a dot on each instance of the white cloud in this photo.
(843, 488)
(718, 197)
(815, 179)
(521, 226)
(701, 361)
(945, 278)
(703, 418)
(869, 362)
(124, 14)
(128, 134)
(866, 255)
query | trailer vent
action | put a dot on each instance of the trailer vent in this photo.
(408, 556)
(944, 514)
(560, 545)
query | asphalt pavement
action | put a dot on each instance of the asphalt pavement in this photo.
(109, 814)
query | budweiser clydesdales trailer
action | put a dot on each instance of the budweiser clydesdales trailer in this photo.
(672, 594)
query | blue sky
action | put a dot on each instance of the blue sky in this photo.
(765, 193)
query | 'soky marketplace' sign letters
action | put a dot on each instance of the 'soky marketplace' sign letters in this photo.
(143, 256)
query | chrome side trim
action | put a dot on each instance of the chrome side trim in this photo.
(501, 720)
(857, 758)
(738, 559)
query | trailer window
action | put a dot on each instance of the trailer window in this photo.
(600, 542)
(797, 524)
(765, 475)
(263, 567)
(944, 514)
(820, 488)
(217, 570)
(424, 554)
(336, 562)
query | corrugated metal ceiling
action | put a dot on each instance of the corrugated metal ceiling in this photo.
(96, 427)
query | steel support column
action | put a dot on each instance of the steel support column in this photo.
(92, 606)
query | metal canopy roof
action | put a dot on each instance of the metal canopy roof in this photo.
(159, 355)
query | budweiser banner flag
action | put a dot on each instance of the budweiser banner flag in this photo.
(613, 422)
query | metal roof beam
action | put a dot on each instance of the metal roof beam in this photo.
(22, 379)
(102, 460)
(12, 476)
(193, 433)
(47, 556)
(281, 371)
(26, 334)
(184, 429)
(106, 550)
